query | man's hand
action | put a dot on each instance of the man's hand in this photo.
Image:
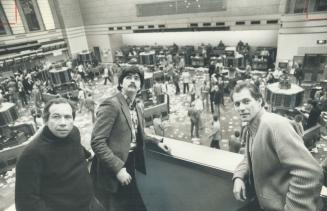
(239, 189)
(164, 147)
(90, 158)
(124, 177)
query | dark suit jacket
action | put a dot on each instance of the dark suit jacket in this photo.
(313, 118)
(111, 138)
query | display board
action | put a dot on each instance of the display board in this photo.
(314, 63)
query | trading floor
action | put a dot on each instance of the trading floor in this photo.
(193, 53)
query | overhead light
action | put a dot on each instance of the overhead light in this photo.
(320, 42)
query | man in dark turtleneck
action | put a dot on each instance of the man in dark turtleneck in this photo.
(52, 173)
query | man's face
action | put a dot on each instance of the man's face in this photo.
(131, 84)
(60, 120)
(246, 105)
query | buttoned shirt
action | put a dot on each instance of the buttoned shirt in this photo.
(132, 111)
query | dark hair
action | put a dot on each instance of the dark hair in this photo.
(60, 100)
(128, 71)
(156, 116)
(254, 91)
(312, 102)
(298, 118)
(215, 117)
(237, 133)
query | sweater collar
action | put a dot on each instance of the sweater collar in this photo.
(51, 138)
(255, 122)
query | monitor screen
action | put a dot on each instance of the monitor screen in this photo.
(314, 62)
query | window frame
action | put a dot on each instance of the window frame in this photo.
(300, 9)
(37, 14)
(317, 4)
(3, 21)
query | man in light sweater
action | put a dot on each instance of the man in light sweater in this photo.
(186, 77)
(277, 169)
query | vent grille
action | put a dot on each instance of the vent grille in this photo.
(255, 22)
(240, 22)
(272, 21)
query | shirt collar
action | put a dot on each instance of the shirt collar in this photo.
(131, 103)
(255, 122)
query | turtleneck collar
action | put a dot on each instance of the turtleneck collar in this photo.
(51, 138)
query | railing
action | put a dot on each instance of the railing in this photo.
(192, 178)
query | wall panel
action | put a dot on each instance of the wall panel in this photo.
(101, 41)
(231, 38)
(46, 14)
(77, 40)
(70, 13)
(290, 45)
(118, 12)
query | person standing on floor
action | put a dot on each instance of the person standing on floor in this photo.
(106, 74)
(176, 81)
(216, 99)
(157, 90)
(194, 115)
(186, 78)
(235, 142)
(205, 89)
(81, 99)
(216, 133)
(90, 106)
(193, 91)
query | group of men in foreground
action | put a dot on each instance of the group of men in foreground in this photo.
(277, 173)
